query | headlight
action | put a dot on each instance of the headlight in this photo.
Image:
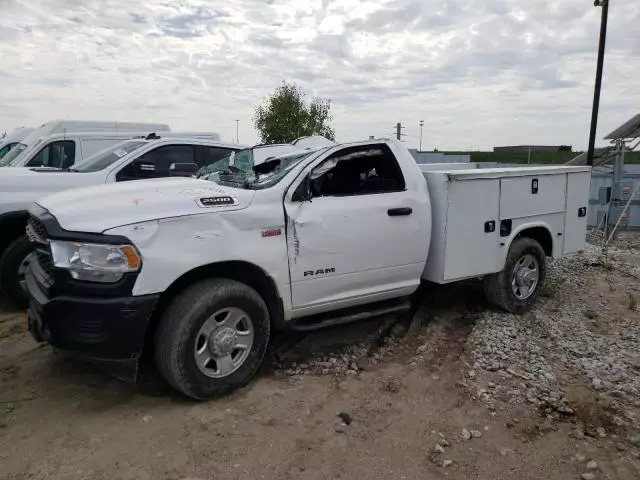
(95, 262)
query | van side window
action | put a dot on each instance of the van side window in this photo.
(60, 154)
(4, 150)
(156, 163)
(362, 170)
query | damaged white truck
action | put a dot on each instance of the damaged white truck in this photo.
(200, 274)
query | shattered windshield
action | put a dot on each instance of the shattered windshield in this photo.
(251, 179)
(242, 160)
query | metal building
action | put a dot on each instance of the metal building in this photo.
(439, 157)
(614, 196)
(602, 180)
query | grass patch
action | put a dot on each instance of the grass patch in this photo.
(338, 382)
(586, 407)
(539, 157)
(590, 314)
(550, 289)
(11, 331)
(632, 303)
(391, 385)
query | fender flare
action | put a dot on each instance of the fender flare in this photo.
(13, 215)
(243, 271)
(537, 227)
(10, 218)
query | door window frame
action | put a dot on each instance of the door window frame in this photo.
(113, 175)
(306, 171)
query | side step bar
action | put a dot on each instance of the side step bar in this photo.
(351, 315)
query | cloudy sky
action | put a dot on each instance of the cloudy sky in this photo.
(478, 72)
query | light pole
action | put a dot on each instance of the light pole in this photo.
(596, 91)
(421, 125)
(237, 127)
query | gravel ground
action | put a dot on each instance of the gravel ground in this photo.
(576, 355)
(451, 390)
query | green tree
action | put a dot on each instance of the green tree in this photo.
(285, 116)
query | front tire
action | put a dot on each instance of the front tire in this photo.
(13, 263)
(212, 338)
(518, 285)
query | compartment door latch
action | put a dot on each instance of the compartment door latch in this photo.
(534, 186)
(490, 226)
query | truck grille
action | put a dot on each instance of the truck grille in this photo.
(37, 234)
(36, 231)
(45, 261)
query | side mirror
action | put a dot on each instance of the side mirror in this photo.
(183, 169)
(303, 192)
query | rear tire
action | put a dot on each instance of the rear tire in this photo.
(513, 289)
(231, 315)
(12, 264)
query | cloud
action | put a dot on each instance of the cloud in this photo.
(478, 73)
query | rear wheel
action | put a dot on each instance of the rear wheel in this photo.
(212, 338)
(13, 265)
(517, 286)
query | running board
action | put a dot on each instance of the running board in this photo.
(318, 322)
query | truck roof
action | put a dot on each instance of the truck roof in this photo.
(59, 126)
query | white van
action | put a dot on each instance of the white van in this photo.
(13, 139)
(67, 127)
(62, 150)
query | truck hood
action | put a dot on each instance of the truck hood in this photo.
(20, 187)
(99, 208)
(21, 179)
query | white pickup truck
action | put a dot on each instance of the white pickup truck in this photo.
(199, 274)
(132, 159)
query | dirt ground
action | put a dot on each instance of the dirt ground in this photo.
(405, 388)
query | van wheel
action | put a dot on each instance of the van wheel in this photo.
(13, 265)
(517, 286)
(212, 338)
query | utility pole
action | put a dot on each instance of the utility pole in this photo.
(237, 128)
(399, 133)
(596, 91)
(421, 125)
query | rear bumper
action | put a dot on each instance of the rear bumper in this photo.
(111, 330)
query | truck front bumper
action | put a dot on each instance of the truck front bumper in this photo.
(108, 330)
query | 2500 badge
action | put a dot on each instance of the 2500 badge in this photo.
(217, 201)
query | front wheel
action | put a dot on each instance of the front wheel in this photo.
(13, 265)
(212, 338)
(517, 286)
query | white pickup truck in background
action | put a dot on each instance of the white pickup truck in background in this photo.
(64, 150)
(132, 159)
(199, 274)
